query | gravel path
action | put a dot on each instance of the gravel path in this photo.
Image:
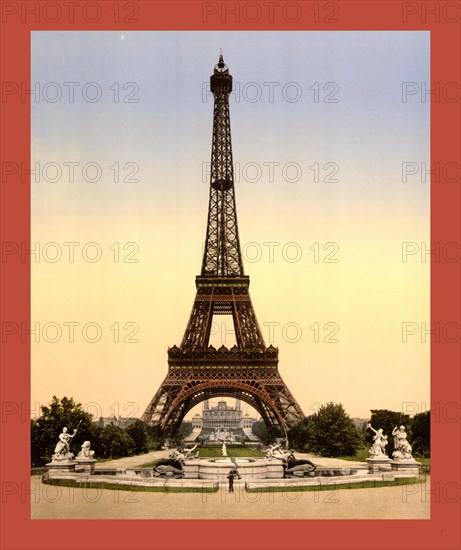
(133, 461)
(400, 502)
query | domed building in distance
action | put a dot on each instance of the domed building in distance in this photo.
(221, 422)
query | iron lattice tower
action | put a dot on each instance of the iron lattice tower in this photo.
(249, 370)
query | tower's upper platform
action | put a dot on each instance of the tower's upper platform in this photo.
(221, 80)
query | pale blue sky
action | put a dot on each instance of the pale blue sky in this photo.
(368, 132)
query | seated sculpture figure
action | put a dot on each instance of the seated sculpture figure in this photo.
(86, 452)
(62, 448)
(275, 451)
(402, 449)
(177, 456)
(384, 444)
(189, 453)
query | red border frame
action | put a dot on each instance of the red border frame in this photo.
(442, 531)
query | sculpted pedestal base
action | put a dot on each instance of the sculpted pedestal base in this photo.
(379, 464)
(61, 465)
(191, 469)
(408, 466)
(85, 464)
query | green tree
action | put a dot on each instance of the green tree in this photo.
(185, 429)
(46, 428)
(155, 437)
(139, 434)
(421, 434)
(301, 436)
(333, 432)
(387, 420)
(115, 442)
(259, 429)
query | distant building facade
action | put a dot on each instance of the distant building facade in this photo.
(222, 415)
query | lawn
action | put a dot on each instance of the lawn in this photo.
(128, 487)
(359, 485)
(360, 456)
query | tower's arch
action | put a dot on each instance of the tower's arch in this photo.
(255, 397)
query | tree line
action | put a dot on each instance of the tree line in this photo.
(110, 441)
(331, 432)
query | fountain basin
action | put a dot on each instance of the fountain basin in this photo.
(219, 468)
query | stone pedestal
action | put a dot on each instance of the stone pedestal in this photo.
(274, 470)
(388, 476)
(61, 466)
(85, 464)
(407, 466)
(379, 464)
(191, 469)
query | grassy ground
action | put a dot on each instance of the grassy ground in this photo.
(38, 471)
(360, 485)
(360, 456)
(129, 487)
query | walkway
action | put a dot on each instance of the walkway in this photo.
(399, 502)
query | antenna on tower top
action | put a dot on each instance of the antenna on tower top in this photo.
(221, 58)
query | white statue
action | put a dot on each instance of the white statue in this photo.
(188, 453)
(276, 451)
(378, 449)
(62, 449)
(224, 449)
(86, 452)
(270, 452)
(384, 444)
(177, 456)
(402, 449)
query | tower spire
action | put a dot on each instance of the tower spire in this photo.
(222, 256)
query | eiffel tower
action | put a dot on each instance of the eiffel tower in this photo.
(249, 370)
